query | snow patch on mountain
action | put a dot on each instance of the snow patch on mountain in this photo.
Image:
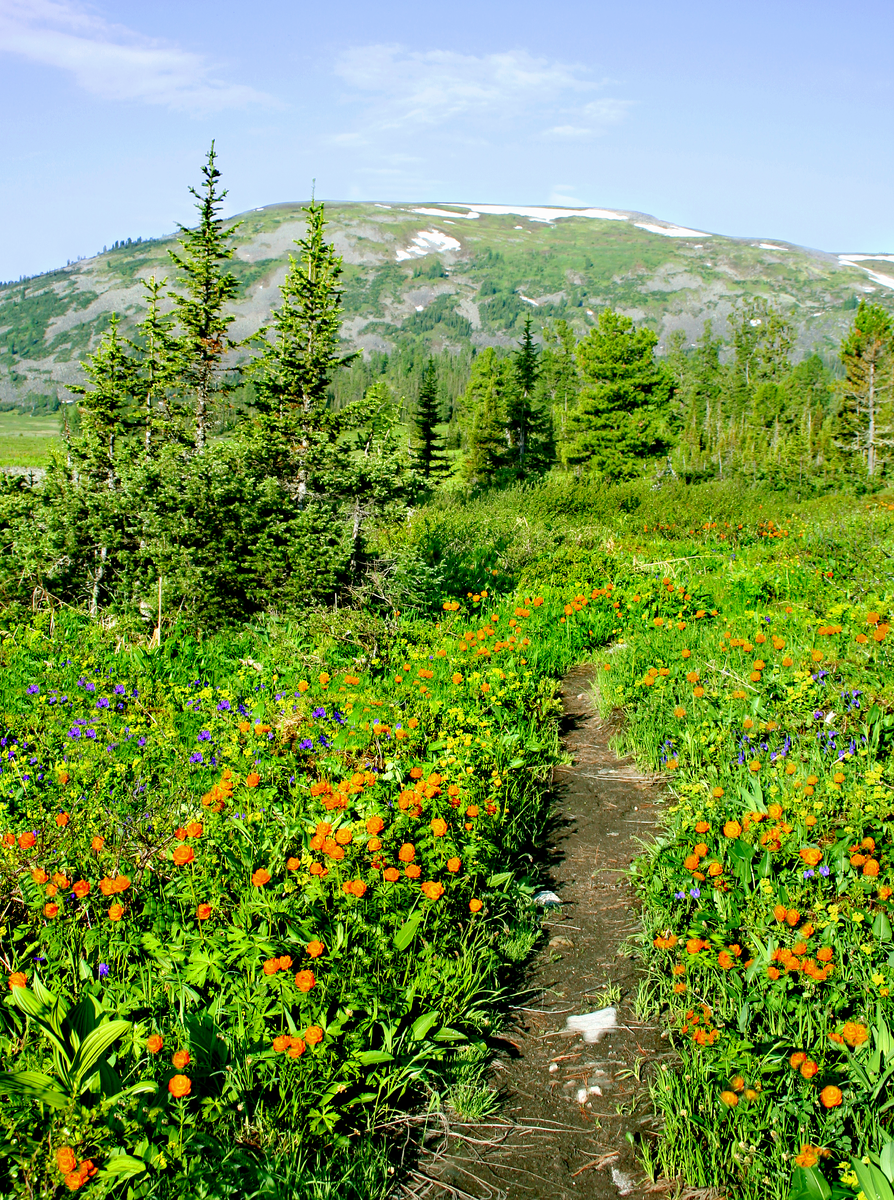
(427, 242)
(670, 230)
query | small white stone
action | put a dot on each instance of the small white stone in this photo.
(553, 1067)
(594, 1025)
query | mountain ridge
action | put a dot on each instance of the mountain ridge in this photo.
(444, 275)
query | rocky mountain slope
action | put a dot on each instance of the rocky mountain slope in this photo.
(451, 275)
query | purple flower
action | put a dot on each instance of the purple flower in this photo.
(196, 757)
(74, 732)
(224, 706)
(91, 734)
(91, 687)
(204, 735)
(33, 689)
(695, 893)
(103, 970)
(120, 689)
(102, 702)
(307, 744)
(318, 712)
(808, 874)
(141, 742)
(824, 871)
(679, 895)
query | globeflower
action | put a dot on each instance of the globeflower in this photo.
(180, 1086)
(181, 1059)
(260, 877)
(154, 1043)
(183, 855)
(434, 891)
(305, 980)
(313, 1035)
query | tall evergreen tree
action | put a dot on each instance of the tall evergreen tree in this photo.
(202, 340)
(429, 453)
(868, 357)
(621, 414)
(295, 366)
(529, 426)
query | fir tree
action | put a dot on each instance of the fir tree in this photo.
(202, 340)
(529, 425)
(868, 361)
(429, 453)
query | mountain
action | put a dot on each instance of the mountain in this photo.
(450, 276)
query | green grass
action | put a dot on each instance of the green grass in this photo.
(25, 441)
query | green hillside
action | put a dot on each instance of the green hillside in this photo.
(439, 277)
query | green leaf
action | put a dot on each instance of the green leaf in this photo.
(808, 1184)
(423, 1024)
(407, 931)
(94, 1046)
(886, 1161)
(367, 1058)
(34, 1086)
(124, 1166)
(872, 1181)
(881, 928)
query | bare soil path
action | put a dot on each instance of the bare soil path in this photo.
(568, 1105)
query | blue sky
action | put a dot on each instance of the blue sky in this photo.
(770, 120)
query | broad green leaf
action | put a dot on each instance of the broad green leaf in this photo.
(422, 1025)
(872, 1181)
(124, 1166)
(886, 1161)
(94, 1046)
(808, 1184)
(881, 928)
(407, 931)
(367, 1058)
(34, 1086)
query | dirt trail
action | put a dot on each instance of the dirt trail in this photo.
(562, 1139)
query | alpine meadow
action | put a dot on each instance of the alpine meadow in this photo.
(307, 514)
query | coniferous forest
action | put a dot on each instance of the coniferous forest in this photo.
(282, 629)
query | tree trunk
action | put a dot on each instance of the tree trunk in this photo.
(97, 580)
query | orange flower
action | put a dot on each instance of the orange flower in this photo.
(809, 1068)
(434, 891)
(732, 829)
(50, 910)
(792, 917)
(457, 678)
(830, 1096)
(797, 1059)
(252, 780)
(811, 855)
(194, 829)
(870, 868)
(315, 948)
(65, 1159)
(183, 855)
(116, 912)
(260, 877)
(344, 836)
(374, 825)
(181, 1059)
(318, 869)
(81, 889)
(413, 871)
(855, 1034)
(391, 874)
(730, 1099)
(475, 906)
(284, 962)
(39, 875)
(374, 844)
(808, 1156)
(281, 1043)
(154, 1043)
(62, 819)
(271, 966)
(453, 864)
(438, 827)
(356, 887)
(725, 960)
(292, 864)
(717, 792)
(180, 1086)
(304, 981)
(313, 1035)
(296, 1047)
(407, 852)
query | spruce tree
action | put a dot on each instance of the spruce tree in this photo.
(429, 452)
(867, 354)
(202, 340)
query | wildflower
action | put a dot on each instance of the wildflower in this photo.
(313, 1035)
(717, 792)
(413, 871)
(407, 852)
(50, 910)
(271, 966)
(297, 1046)
(375, 825)
(811, 855)
(260, 877)
(180, 1086)
(81, 889)
(725, 960)
(281, 1043)
(830, 1096)
(304, 981)
(438, 827)
(252, 780)
(183, 855)
(356, 887)
(732, 829)
(97, 844)
(315, 948)
(730, 1099)
(434, 891)
(181, 1059)
(39, 875)
(391, 874)
(194, 829)
(475, 906)
(855, 1034)
(26, 840)
(62, 819)
(65, 1159)
(18, 979)
(154, 1043)
(292, 864)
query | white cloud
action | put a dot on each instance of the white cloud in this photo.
(408, 89)
(115, 63)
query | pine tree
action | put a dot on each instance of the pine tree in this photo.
(202, 340)
(157, 376)
(296, 365)
(559, 377)
(429, 453)
(529, 425)
(868, 357)
(620, 418)
(488, 452)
